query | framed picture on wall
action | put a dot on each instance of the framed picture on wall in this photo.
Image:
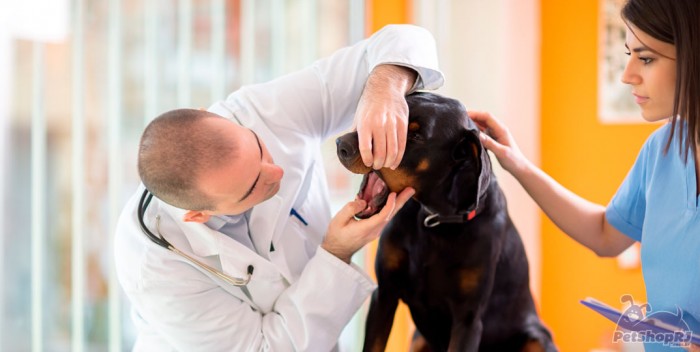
(615, 100)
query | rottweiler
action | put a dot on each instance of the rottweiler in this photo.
(452, 253)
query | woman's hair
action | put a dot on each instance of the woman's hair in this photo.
(175, 149)
(676, 22)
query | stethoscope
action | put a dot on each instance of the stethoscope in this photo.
(146, 198)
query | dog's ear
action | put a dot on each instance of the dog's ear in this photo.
(465, 149)
(473, 168)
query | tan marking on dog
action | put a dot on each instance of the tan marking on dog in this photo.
(397, 180)
(413, 126)
(423, 165)
(533, 346)
(358, 167)
(378, 346)
(475, 149)
(393, 257)
(469, 279)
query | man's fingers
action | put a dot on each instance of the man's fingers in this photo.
(401, 132)
(401, 200)
(386, 213)
(404, 196)
(364, 143)
(378, 150)
(348, 212)
(392, 148)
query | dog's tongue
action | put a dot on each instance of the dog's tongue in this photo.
(374, 191)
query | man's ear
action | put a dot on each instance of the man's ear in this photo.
(195, 216)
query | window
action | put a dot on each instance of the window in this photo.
(78, 87)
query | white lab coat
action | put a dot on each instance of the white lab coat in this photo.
(300, 296)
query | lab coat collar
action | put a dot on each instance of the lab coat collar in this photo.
(263, 220)
(201, 238)
(216, 222)
(207, 242)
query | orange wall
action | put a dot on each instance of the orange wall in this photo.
(589, 158)
(383, 12)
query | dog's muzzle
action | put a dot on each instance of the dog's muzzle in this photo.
(373, 190)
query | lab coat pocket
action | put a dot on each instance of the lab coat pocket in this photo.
(306, 231)
(265, 287)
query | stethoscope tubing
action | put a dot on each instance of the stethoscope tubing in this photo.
(145, 200)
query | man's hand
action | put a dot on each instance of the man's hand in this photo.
(381, 118)
(347, 235)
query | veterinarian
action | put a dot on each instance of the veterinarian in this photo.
(658, 204)
(232, 246)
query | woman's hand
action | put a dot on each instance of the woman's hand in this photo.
(496, 137)
(693, 348)
(346, 235)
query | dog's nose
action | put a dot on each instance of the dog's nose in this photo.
(347, 148)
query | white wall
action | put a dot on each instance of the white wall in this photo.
(5, 83)
(489, 52)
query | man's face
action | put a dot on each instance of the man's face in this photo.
(244, 178)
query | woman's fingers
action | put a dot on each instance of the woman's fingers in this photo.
(489, 124)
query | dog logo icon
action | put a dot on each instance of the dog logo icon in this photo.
(636, 324)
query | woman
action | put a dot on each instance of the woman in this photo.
(658, 203)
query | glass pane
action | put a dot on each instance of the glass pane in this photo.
(285, 36)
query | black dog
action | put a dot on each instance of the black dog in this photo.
(452, 253)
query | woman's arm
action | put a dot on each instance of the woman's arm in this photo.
(582, 220)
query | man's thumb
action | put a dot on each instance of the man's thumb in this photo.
(354, 207)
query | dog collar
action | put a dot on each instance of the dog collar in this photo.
(433, 220)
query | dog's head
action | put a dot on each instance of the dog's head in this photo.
(444, 161)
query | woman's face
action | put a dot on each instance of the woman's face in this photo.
(651, 71)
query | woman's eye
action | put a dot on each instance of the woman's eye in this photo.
(645, 60)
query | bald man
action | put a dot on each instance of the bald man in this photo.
(255, 261)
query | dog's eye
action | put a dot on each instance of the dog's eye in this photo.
(414, 136)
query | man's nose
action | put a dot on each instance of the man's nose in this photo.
(273, 173)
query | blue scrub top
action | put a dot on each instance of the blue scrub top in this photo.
(657, 205)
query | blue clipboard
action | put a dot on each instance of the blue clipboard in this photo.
(656, 323)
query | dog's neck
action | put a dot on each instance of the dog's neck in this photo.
(434, 218)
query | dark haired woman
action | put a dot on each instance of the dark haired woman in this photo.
(658, 204)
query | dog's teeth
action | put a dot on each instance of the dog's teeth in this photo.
(378, 188)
